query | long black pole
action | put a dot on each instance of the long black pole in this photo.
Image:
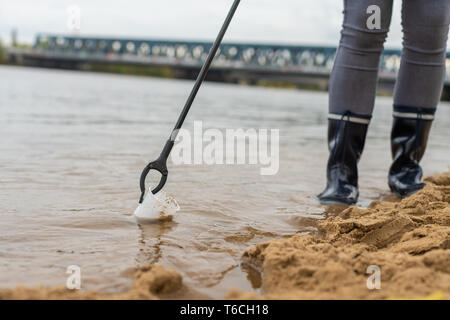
(160, 163)
(200, 78)
(202, 75)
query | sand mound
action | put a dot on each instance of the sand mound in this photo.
(409, 241)
(150, 283)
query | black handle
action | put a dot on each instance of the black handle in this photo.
(203, 72)
(160, 164)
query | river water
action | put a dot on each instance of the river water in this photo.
(72, 148)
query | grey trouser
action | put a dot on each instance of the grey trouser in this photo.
(422, 72)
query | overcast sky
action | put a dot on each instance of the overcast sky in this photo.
(282, 21)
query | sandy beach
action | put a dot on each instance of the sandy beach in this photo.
(407, 240)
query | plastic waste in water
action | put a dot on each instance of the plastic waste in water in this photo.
(154, 208)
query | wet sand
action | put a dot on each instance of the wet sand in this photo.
(409, 241)
(149, 283)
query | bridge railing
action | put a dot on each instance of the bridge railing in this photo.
(231, 55)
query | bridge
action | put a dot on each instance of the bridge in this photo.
(234, 61)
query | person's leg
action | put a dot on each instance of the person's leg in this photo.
(418, 89)
(352, 92)
(353, 79)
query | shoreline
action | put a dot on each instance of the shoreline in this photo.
(408, 241)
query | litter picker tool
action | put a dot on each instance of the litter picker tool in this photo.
(160, 164)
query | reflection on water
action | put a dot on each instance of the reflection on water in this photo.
(73, 147)
(151, 240)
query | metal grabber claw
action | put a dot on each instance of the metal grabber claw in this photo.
(159, 165)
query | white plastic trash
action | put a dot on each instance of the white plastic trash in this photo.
(154, 208)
